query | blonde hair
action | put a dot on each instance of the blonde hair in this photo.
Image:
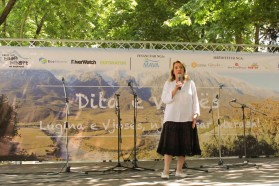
(172, 76)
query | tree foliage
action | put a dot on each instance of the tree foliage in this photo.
(218, 21)
(7, 118)
(237, 21)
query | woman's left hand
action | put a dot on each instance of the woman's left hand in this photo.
(194, 124)
(195, 117)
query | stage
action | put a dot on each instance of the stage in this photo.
(234, 171)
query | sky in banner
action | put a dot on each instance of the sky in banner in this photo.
(267, 80)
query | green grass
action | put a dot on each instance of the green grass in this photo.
(33, 140)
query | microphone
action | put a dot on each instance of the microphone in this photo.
(180, 79)
(117, 94)
(210, 110)
(65, 92)
(233, 100)
(221, 85)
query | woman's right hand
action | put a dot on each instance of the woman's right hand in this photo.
(178, 85)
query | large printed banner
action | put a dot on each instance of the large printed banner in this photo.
(105, 101)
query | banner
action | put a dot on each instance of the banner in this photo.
(97, 79)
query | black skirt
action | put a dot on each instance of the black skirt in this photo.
(179, 139)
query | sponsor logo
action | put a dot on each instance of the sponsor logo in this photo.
(214, 65)
(151, 61)
(150, 56)
(45, 61)
(148, 63)
(195, 65)
(236, 66)
(83, 62)
(253, 66)
(228, 57)
(14, 60)
(113, 62)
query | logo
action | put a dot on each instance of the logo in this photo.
(253, 66)
(214, 65)
(113, 63)
(83, 62)
(148, 63)
(14, 60)
(236, 66)
(43, 60)
(150, 56)
(195, 65)
(228, 57)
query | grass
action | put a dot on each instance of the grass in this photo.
(33, 140)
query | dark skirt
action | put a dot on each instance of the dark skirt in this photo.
(179, 139)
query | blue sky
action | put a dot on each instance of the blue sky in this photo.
(263, 80)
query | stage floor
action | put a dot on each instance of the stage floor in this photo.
(234, 171)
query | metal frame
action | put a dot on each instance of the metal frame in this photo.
(157, 45)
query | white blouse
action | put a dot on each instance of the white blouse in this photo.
(183, 105)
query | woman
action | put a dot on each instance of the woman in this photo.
(180, 116)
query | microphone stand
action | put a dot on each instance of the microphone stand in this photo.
(68, 168)
(220, 162)
(117, 111)
(66, 124)
(243, 106)
(185, 166)
(213, 122)
(218, 97)
(134, 162)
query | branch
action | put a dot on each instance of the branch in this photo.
(39, 26)
(7, 10)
